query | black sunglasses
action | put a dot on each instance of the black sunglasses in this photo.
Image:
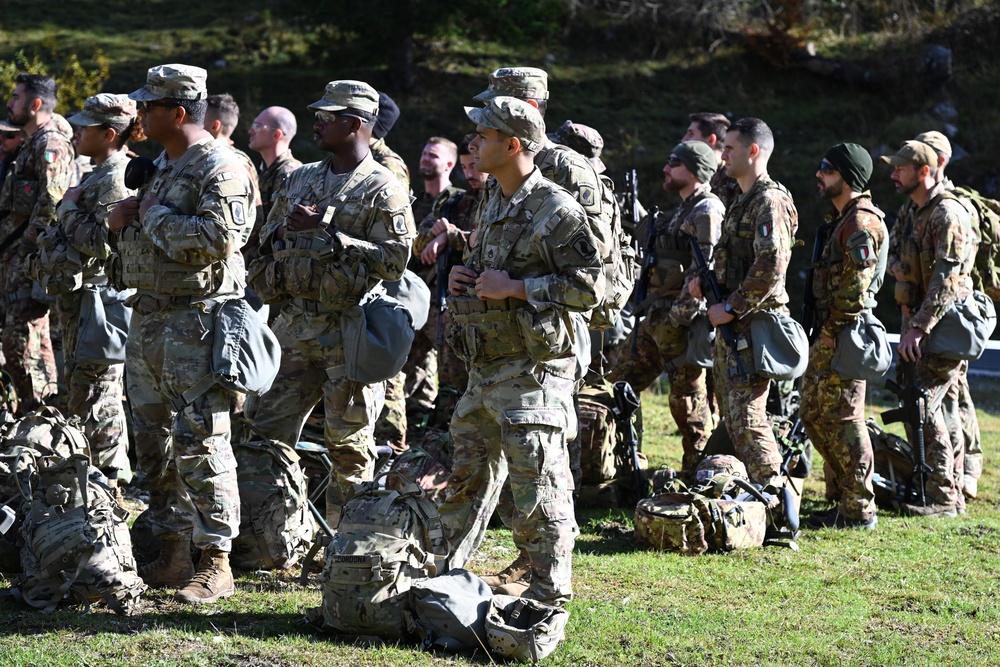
(826, 168)
(674, 161)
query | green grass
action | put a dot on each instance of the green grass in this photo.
(914, 592)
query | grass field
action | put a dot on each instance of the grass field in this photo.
(914, 592)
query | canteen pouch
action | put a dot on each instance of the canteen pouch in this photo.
(780, 345)
(963, 331)
(104, 325)
(863, 351)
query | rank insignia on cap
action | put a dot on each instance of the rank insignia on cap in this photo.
(50, 156)
(764, 230)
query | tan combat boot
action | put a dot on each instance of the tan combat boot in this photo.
(173, 567)
(516, 571)
(212, 581)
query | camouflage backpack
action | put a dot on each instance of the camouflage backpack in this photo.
(986, 269)
(427, 463)
(386, 538)
(893, 461)
(276, 527)
(620, 266)
(76, 539)
(605, 476)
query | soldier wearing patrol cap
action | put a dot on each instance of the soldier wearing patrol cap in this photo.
(75, 251)
(533, 262)
(32, 189)
(178, 245)
(931, 259)
(338, 228)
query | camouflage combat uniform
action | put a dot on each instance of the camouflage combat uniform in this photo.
(272, 177)
(321, 272)
(392, 161)
(848, 276)
(662, 333)
(40, 176)
(517, 412)
(184, 259)
(935, 251)
(751, 260)
(95, 390)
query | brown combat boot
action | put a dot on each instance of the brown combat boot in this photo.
(516, 571)
(173, 567)
(212, 581)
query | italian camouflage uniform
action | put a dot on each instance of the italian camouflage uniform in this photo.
(320, 273)
(517, 412)
(661, 339)
(184, 260)
(95, 390)
(751, 260)
(935, 249)
(40, 176)
(847, 278)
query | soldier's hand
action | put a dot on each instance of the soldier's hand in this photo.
(303, 217)
(124, 213)
(694, 287)
(441, 225)
(430, 253)
(460, 279)
(717, 315)
(73, 194)
(147, 204)
(493, 284)
(909, 344)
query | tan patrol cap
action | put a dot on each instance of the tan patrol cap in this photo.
(174, 82)
(105, 108)
(912, 152)
(584, 139)
(347, 94)
(935, 140)
(513, 117)
(519, 82)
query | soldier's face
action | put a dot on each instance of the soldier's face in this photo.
(9, 141)
(18, 107)
(829, 183)
(675, 175)
(906, 178)
(330, 130)
(262, 132)
(693, 134)
(489, 149)
(89, 141)
(434, 161)
(474, 177)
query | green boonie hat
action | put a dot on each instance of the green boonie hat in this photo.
(935, 140)
(912, 152)
(173, 82)
(699, 158)
(511, 116)
(584, 139)
(105, 108)
(347, 94)
(519, 82)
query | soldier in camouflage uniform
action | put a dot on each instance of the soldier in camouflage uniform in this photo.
(935, 250)
(338, 228)
(178, 245)
(751, 261)
(388, 114)
(39, 177)
(220, 121)
(661, 338)
(271, 135)
(95, 390)
(533, 260)
(847, 278)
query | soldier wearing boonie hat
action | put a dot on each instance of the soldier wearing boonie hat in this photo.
(200, 197)
(521, 82)
(930, 221)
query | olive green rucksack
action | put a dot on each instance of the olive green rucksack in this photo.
(986, 269)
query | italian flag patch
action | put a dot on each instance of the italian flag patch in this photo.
(862, 254)
(50, 156)
(764, 230)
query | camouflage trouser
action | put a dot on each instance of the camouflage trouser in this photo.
(421, 370)
(311, 371)
(453, 378)
(833, 413)
(95, 393)
(516, 427)
(27, 344)
(743, 402)
(943, 454)
(185, 458)
(390, 429)
(658, 344)
(963, 424)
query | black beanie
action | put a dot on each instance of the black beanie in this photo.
(854, 164)
(388, 112)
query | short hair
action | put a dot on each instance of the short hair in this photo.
(463, 148)
(448, 145)
(710, 123)
(284, 119)
(40, 87)
(754, 131)
(195, 110)
(227, 111)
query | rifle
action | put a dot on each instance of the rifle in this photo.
(626, 405)
(913, 411)
(809, 297)
(642, 285)
(714, 295)
(632, 199)
(443, 266)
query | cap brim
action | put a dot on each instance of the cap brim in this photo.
(478, 116)
(83, 120)
(599, 165)
(485, 96)
(323, 105)
(895, 160)
(143, 95)
(7, 127)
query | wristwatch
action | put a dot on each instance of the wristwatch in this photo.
(729, 309)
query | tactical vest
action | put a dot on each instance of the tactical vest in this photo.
(831, 263)
(736, 244)
(673, 249)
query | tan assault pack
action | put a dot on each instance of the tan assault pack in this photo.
(605, 475)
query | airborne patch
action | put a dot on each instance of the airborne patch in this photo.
(239, 215)
(587, 196)
(764, 230)
(399, 224)
(582, 245)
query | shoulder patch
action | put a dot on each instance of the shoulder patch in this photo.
(49, 156)
(587, 195)
(764, 230)
(239, 215)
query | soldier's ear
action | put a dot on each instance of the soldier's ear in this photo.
(513, 145)
(753, 150)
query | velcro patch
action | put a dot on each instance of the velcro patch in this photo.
(399, 224)
(764, 230)
(587, 195)
(239, 215)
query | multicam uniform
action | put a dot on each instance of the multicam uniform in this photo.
(936, 250)
(321, 272)
(517, 411)
(751, 260)
(392, 161)
(40, 176)
(848, 276)
(184, 259)
(661, 338)
(95, 390)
